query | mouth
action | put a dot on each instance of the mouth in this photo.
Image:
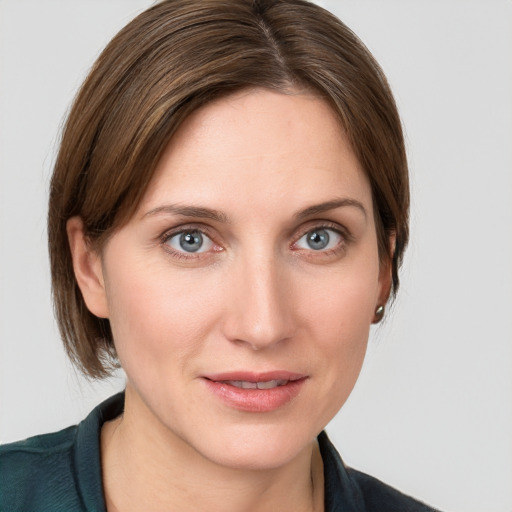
(245, 384)
(251, 392)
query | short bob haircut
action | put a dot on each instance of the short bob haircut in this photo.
(168, 62)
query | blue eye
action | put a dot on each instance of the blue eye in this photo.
(190, 241)
(319, 239)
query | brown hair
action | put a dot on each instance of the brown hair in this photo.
(166, 63)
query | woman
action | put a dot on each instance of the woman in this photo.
(228, 213)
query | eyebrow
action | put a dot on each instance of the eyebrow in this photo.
(189, 211)
(330, 205)
(216, 215)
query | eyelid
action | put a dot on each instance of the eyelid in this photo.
(174, 242)
(346, 238)
(323, 224)
(333, 237)
(182, 228)
(207, 231)
(170, 232)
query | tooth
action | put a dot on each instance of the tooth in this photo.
(267, 385)
(243, 384)
(271, 384)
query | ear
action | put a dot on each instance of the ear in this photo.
(88, 268)
(385, 280)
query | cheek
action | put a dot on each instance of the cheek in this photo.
(344, 299)
(339, 317)
(156, 316)
(341, 332)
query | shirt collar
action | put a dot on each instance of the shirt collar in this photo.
(341, 494)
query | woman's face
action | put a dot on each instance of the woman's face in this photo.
(241, 293)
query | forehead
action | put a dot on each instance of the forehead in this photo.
(267, 147)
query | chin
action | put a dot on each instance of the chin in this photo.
(256, 447)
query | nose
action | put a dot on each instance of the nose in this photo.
(260, 312)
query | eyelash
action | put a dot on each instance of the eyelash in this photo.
(182, 255)
(346, 239)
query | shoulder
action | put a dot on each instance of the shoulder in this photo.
(37, 473)
(58, 472)
(46, 443)
(380, 497)
(353, 491)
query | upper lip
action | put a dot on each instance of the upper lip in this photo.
(249, 376)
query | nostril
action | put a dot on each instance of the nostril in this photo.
(259, 314)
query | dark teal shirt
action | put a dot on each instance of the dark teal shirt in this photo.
(61, 472)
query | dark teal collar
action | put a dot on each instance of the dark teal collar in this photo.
(346, 490)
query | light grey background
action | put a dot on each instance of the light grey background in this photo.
(432, 412)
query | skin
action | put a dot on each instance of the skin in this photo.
(255, 297)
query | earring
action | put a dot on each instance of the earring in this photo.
(379, 314)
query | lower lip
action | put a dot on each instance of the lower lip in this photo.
(255, 400)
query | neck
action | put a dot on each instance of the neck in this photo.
(146, 467)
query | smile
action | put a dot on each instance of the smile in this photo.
(244, 384)
(256, 393)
